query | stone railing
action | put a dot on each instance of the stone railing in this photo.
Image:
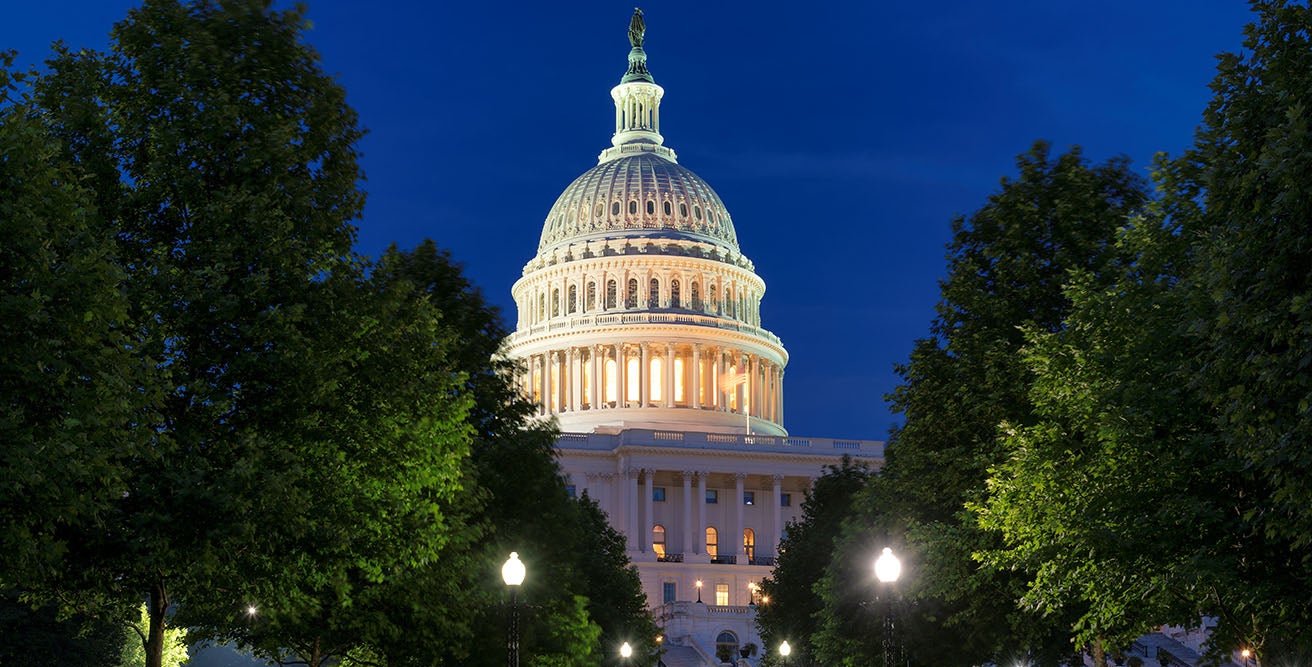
(724, 441)
(612, 318)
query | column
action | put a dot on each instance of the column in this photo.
(620, 372)
(687, 512)
(595, 392)
(780, 398)
(548, 399)
(649, 520)
(695, 401)
(668, 393)
(572, 384)
(699, 545)
(737, 536)
(644, 375)
(776, 502)
(631, 510)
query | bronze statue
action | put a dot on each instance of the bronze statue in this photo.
(637, 28)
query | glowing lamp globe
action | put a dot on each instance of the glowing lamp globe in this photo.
(785, 649)
(513, 571)
(887, 567)
(626, 650)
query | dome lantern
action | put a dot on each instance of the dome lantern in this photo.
(637, 104)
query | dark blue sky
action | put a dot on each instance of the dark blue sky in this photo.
(842, 136)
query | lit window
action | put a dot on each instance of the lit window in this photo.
(658, 494)
(656, 376)
(632, 379)
(712, 497)
(679, 395)
(749, 497)
(712, 542)
(785, 500)
(667, 591)
(658, 540)
(749, 543)
(722, 599)
(608, 382)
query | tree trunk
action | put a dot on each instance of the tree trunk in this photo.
(156, 608)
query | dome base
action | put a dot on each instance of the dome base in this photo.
(663, 419)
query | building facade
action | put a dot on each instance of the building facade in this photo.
(639, 330)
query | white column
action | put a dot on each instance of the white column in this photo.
(649, 521)
(572, 384)
(644, 376)
(631, 509)
(700, 540)
(668, 389)
(738, 517)
(687, 512)
(548, 396)
(776, 506)
(697, 377)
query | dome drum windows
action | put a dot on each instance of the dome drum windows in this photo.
(675, 298)
(631, 295)
(610, 292)
(654, 294)
(591, 303)
(573, 305)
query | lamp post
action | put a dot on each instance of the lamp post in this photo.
(785, 650)
(887, 570)
(626, 652)
(699, 590)
(751, 594)
(1247, 654)
(513, 574)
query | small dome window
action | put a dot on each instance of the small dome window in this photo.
(598, 210)
(633, 207)
(697, 212)
(615, 208)
(667, 208)
(683, 210)
(651, 208)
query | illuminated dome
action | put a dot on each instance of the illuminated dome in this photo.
(638, 196)
(638, 310)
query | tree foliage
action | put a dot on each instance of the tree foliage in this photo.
(1007, 265)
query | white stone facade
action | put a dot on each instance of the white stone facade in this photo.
(639, 330)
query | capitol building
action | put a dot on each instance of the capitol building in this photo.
(639, 330)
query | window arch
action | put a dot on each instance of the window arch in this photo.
(658, 540)
(749, 543)
(712, 542)
(675, 298)
(654, 294)
(631, 297)
(726, 646)
(573, 305)
(555, 303)
(610, 293)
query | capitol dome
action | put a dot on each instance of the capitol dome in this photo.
(638, 196)
(639, 310)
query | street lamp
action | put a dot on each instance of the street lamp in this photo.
(751, 594)
(887, 570)
(1246, 653)
(626, 651)
(785, 650)
(513, 574)
(699, 590)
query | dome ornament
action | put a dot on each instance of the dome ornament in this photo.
(637, 29)
(637, 57)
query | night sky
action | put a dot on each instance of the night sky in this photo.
(843, 136)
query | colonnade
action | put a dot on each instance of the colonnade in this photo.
(656, 375)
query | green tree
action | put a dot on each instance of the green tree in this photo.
(792, 612)
(41, 636)
(1008, 263)
(311, 429)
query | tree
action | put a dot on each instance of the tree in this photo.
(309, 429)
(804, 554)
(1008, 263)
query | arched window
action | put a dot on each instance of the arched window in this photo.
(542, 307)
(697, 212)
(555, 303)
(633, 207)
(658, 540)
(615, 208)
(598, 210)
(654, 294)
(675, 297)
(651, 208)
(591, 303)
(609, 382)
(610, 294)
(680, 394)
(667, 208)
(631, 297)
(683, 210)
(573, 299)
(749, 543)
(656, 377)
(696, 297)
(726, 644)
(715, 300)
(632, 378)
(712, 542)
